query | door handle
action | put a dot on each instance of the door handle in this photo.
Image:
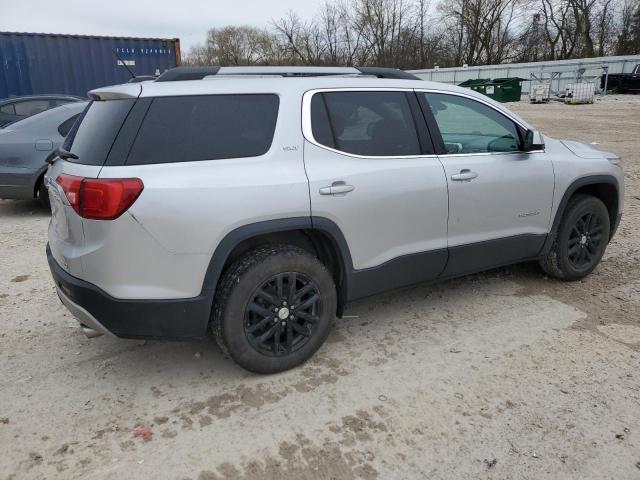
(465, 175)
(337, 188)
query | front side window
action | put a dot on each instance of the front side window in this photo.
(376, 124)
(205, 127)
(468, 126)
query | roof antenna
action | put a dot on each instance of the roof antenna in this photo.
(115, 52)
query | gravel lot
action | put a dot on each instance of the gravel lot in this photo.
(501, 375)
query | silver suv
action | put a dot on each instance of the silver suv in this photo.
(255, 203)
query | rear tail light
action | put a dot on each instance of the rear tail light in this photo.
(100, 198)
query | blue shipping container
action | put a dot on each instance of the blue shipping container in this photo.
(39, 63)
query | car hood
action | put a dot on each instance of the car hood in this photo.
(584, 150)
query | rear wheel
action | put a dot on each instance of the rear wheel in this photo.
(581, 239)
(274, 308)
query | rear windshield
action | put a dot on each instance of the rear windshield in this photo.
(205, 127)
(92, 136)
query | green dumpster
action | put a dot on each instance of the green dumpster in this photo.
(477, 84)
(504, 89)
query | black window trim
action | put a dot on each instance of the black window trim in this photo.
(437, 136)
(307, 131)
(74, 117)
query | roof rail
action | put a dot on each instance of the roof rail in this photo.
(385, 72)
(288, 71)
(198, 73)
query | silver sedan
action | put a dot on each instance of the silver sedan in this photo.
(24, 146)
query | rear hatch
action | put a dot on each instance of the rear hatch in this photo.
(90, 140)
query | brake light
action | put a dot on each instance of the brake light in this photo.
(100, 198)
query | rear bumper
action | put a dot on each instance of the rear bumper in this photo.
(97, 310)
(90, 325)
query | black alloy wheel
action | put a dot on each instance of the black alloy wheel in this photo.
(274, 308)
(283, 314)
(580, 240)
(585, 240)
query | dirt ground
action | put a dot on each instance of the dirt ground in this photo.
(502, 375)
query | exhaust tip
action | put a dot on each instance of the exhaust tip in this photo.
(90, 332)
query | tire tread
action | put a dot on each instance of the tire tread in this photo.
(234, 274)
(550, 262)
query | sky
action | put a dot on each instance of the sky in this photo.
(187, 20)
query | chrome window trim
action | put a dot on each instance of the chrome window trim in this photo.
(307, 131)
(504, 113)
(480, 154)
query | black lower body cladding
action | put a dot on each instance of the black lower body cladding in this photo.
(166, 319)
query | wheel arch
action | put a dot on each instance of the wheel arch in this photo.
(320, 236)
(604, 187)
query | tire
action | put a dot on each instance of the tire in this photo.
(43, 195)
(581, 239)
(253, 319)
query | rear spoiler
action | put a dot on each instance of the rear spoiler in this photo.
(116, 92)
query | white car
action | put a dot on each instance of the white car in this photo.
(254, 203)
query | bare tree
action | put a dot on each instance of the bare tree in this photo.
(234, 45)
(482, 29)
(417, 34)
(628, 29)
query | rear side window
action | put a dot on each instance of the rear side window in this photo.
(205, 127)
(31, 107)
(10, 109)
(320, 125)
(93, 134)
(365, 123)
(57, 103)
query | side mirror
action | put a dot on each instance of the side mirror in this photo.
(533, 141)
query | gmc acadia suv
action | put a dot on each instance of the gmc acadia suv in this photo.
(254, 203)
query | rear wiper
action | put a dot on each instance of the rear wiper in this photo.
(60, 153)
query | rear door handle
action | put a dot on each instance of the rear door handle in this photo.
(465, 175)
(337, 188)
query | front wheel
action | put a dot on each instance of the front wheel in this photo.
(581, 239)
(274, 308)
